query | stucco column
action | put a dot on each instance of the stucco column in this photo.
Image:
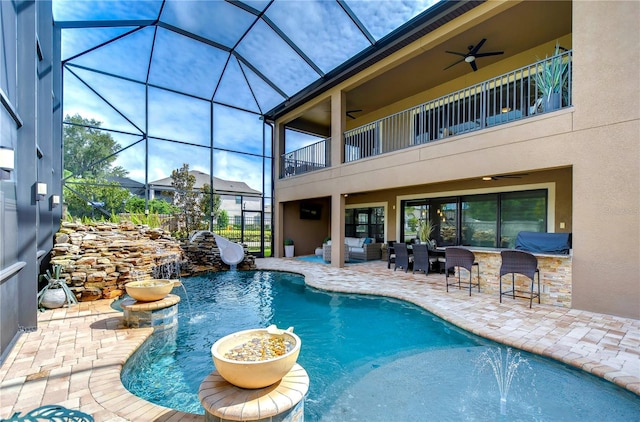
(278, 207)
(337, 230)
(338, 125)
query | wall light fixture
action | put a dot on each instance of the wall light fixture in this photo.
(7, 162)
(41, 190)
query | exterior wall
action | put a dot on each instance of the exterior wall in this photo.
(589, 152)
(605, 149)
(27, 223)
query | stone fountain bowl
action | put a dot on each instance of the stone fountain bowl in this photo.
(149, 290)
(257, 373)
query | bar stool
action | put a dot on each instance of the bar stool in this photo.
(519, 262)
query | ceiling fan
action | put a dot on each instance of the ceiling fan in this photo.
(349, 113)
(472, 55)
(505, 176)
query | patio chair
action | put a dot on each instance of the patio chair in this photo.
(460, 258)
(421, 259)
(391, 253)
(519, 262)
(402, 257)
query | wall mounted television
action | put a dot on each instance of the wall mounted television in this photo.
(310, 211)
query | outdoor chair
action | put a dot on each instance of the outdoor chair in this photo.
(519, 262)
(421, 259)
(391, 253)
(460, 258)
(402, 257)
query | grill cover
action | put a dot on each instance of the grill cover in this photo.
(552, 243)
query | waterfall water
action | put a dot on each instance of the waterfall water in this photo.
(168, 267)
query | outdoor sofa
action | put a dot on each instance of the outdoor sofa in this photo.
(356, 248)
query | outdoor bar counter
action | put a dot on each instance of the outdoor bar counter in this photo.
(555, 276)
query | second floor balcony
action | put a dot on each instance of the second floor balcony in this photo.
(541, 87)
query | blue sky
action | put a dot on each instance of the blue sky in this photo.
(180, 65)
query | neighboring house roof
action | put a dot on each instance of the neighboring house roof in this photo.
(219, 185)
(136, 188)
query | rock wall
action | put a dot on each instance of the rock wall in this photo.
(203, 254)
(98, 260)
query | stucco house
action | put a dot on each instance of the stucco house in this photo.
(428, 122)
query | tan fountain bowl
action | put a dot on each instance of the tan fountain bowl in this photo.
(149, 290)
(258, 373)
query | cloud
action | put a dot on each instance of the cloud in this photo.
(321, 29)
(383, 17)
(74, 10)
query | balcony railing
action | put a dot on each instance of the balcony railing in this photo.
(304, 160)
(506, 98)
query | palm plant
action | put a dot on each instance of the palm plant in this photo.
(425, 229)
(552, 75)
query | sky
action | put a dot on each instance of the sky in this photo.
(237, 68)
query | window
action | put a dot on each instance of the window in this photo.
(480, 220)
(414, 214)
(522, 211)
(444, 214)
(490, 220)
(238, 199)
(365, 222)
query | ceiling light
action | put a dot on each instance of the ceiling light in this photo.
(487, 178)
(469, 59)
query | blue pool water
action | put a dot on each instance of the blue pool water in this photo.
(368, 358)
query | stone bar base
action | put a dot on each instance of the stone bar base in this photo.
(280, 402)
(160, 315)
(555, 276)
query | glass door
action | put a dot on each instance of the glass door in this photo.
(444, 215)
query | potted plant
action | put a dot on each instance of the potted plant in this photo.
(56, 292)
(425, 229)
(288, 248)
(551, 79)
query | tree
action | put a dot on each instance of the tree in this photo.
(223, 219)
(205, 202)
(88, 157)
(136, 205)
(89, 197)
(89, 151)
(187, 199)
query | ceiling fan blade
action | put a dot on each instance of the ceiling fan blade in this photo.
(510, 176)
(491, 53)
(456, 53)
(473, 65)
(475, 49)
(453, 64)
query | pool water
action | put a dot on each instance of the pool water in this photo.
(368, 358)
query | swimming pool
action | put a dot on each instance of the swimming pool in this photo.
(368, 358)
